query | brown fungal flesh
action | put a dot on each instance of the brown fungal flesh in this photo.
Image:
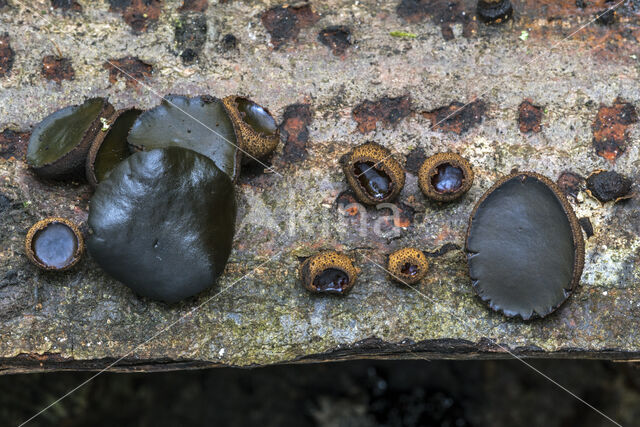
(445, 177)
(54, 244)
(373, 174)
(256, 129)
(328, 272)
(407, 265)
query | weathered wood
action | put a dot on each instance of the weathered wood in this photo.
(83, 320)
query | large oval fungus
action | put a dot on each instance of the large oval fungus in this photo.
(162, 223)
(524, 246)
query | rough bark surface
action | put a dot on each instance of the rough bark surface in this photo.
(258, 313)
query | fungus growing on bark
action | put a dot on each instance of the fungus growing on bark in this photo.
(524, 246)
(373, 174)
(200, 124)
(54, 244)
(445, 177)
(328, 272)
(256, 129)
(162, 223)
(110, 146)
(59, 144)
(408, 265)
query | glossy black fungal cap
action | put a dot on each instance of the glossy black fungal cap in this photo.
(59, 144)
(54, 244)
(524, 246)
(256, 129)
(494, 11)
(200, 124)
(373, 174)
(408, 265)
(445, 177)
(328, 272)
(110, 146)
(162, 223)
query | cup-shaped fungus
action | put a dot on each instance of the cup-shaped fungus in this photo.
(256, 129)
(200, 124)
(494, 11)
(163, 222)
(373, 174)
(59, 144)
(110, 146)
(444, 177)
(328, 272)
(524, 246)
(54, 244)
(408, 265)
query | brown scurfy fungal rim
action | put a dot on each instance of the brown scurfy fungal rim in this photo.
(256, 129)
(407, 265)
(445, 177)
(373, 174)
(328, 272)
(54, 244)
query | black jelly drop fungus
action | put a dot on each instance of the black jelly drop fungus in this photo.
(200, 124)
(409, 269)
(448, 179)
(328, 272)
(256, 129)
(60, 142)
(163, 222)
(407, 265)
(54, 244)
(331, 280)
(375, 182)
(110, 146)
(445, 177)
(256, 116)
(494, 11)
(373, 173)
(524, 246)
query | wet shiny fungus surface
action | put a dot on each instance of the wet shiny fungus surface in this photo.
(328, 272)
(524, 247)
(331, 280)
(200, 124)
(373, 173)
(59, 143)
(163, 222)
(448, 178)
(255, 128)
(54, 244)
(375, 181)
(110, 147)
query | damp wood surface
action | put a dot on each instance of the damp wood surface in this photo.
(377, 87)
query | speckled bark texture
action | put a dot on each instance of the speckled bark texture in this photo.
(83, 319)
